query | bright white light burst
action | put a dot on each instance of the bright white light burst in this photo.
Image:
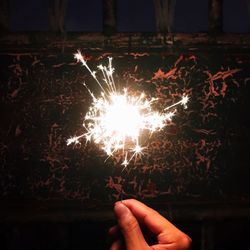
(116, 120)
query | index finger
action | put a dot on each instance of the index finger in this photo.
(155, 222)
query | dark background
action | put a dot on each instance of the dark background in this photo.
(132, 16)
(195, 171)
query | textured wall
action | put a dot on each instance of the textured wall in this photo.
(202, 155)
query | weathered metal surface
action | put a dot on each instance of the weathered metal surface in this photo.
(122, 42)
(196, 171)
(43, 103)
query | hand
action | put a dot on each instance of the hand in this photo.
(131, 214)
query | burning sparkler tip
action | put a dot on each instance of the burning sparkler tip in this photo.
(184, 101)
(78, 56)
(125, 163)
(72, 140)
(116, 120)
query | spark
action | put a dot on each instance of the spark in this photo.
(116, 120)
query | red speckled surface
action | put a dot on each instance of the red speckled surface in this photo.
(43, 103)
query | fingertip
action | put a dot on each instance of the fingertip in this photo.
(131, 200)
(117, 203)
(121, 210)
(133, 203)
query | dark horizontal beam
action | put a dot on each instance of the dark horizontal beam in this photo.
(71, 211)
(93, 41)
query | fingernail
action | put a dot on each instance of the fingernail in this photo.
(121, 210)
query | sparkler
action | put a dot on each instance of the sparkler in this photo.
(116, 120)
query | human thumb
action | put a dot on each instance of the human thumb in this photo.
(130, 228)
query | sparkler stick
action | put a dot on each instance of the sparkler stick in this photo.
(116, 120)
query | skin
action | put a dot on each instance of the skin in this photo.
(131, 216)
